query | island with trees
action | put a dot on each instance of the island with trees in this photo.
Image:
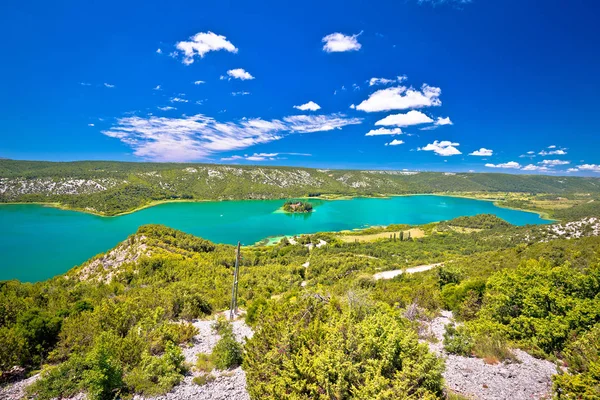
(297, 207)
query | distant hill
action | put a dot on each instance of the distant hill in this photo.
(110, 188)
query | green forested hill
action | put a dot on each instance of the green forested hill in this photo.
(114, 187)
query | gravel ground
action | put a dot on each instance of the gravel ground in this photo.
(14, 391)
(528, 379)
(228, 385)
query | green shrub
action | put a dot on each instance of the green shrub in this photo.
(157, 375)
(222, 326)
(99, 374)
(457, 341)
(227, 353)
(315, 347)
(204, 362)
(255, 310)
(202, 380)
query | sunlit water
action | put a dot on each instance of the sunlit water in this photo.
(38, 242)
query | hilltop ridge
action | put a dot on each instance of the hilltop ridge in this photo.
(111, 188)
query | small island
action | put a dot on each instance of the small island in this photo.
(297, 207)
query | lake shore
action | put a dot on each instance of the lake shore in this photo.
(325, 197)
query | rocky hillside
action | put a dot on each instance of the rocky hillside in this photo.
(114, 187)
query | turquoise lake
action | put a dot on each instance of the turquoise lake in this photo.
(38, 242)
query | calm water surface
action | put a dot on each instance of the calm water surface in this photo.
(38, 242)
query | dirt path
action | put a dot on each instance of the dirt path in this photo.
(394, 273)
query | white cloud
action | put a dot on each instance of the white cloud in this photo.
(85, 84)
(90, 124)
(202, 43)
(198, 136)
(240, 93)
(554, 162)
(384, 131)
(552, 146)
(108, 85)
(159, 51)
(261, 156)
(573, 170)
(166, 108)
(482, 152)
(157, 87)
(338, 42)
(395, 142)
(508, 165)
(532, 167)
(198, 82)
(385, 81)
(442, 148)
(316, 123)
(178, 100)
(559, 152)
(239, 73)
(311, 105)
(443, 121)
(589, 167)
(401, 98)
(410, 118)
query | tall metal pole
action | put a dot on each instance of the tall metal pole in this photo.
(234, 288)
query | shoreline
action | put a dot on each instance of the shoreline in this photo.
(542, 214)
(545, 215)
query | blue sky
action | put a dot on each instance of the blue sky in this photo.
(481, 85)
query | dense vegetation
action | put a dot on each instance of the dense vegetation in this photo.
(115, 332)
(297, 207)
(114, 187)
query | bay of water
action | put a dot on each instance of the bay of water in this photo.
(38, 242)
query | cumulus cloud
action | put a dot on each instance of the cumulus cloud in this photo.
(198, 82)
(572, 170)
(385, 81)
(443, 121)
(532, 167)
(508, 165)
(157, 87)
(166, 108)
(240, 93)
(482, 152)
(554, 162)
(589, 167)
(401, 98)
(395, 142)
(202, 43)
(384, 131)
(338, 42)
(442, 148)
(91, 125)
(108, 85)
(529, 154)
(559, 152)
(178, 100)
(159, 51)
(412, 117)
(310, 106)
(239, 73)
(198, 136)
